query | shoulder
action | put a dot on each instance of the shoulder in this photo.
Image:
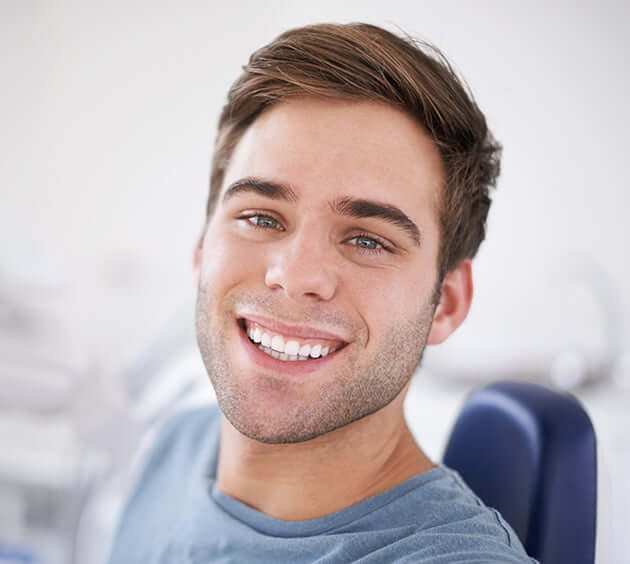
(178, 445)
(178, 454)
(451, 519)
(184, 431)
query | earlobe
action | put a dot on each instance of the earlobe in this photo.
(197, 258)
(455, 300)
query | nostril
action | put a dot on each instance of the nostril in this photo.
(307, 278)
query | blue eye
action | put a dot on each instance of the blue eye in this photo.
(263, 221)
(363, 243)
(370, 245)
(367, 242)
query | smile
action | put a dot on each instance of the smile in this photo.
(288, 348)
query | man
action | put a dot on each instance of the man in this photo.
(349, 193)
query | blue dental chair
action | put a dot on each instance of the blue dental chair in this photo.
(530, 452)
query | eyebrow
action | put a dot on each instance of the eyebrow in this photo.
(273, 190)
(344, 205)
(360, 208)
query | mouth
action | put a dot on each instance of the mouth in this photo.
(286, 353)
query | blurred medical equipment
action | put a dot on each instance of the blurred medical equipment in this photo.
(64, 426)
(589, 336)
(46, 472)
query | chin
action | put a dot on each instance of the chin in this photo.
(281, 426)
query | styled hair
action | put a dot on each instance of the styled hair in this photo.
(364, 62)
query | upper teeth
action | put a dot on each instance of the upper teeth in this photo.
(287, 346)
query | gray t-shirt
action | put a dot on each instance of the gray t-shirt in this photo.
(177, 514)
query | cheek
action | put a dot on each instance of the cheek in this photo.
(387, 299)
(372, 298)
(226, 260)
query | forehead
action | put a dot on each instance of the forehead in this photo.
(328, 148)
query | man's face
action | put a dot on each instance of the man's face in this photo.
(298, 245)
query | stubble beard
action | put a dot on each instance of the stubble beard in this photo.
(359, 388)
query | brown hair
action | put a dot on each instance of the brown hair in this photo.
(362, 61)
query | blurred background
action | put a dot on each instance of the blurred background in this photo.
(108, 112)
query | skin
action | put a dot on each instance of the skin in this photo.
(298, 448)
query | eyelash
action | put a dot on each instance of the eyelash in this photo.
(383, 246)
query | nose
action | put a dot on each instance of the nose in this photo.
(303, 266)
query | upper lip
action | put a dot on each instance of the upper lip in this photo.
(294, 330)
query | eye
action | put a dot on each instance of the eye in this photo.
(367, 244)
(262, 221)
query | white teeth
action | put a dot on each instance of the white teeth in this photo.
(277, 343)
(292, 347)
(275, 346)
(287, 357)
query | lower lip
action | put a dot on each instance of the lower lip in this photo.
(287, 366)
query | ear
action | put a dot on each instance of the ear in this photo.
(455, 299)
(197, 257)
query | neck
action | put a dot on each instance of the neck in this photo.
(296, 482)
